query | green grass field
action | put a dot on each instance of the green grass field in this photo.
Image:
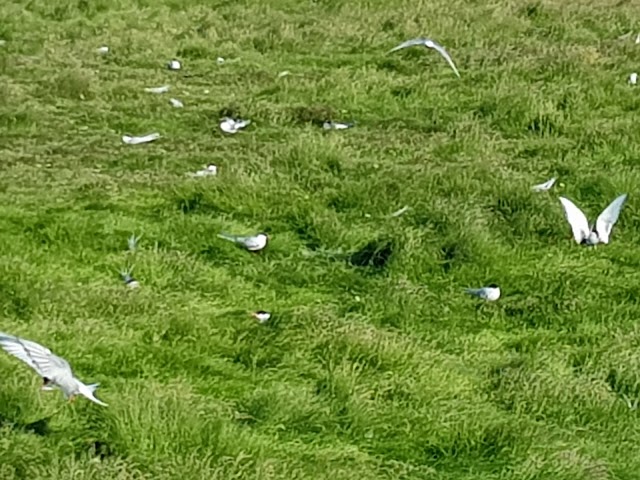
(376, 365)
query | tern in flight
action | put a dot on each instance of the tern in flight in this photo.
(427, 42)
(598, 233)
(55, 371)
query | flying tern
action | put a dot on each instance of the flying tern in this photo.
(55, 371)
(601, 231)
(429, 43)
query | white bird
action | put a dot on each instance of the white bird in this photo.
(329, 125)
(262, 316)
(55, 371)
(231, 125)
(427, 42)
(490, 293)
(601, 231)
(638, 39)
(176, 103)
(174, 65)
(129, 140)
(220, 60)
(103, 50)
(633, 78)
(162, 89)
(403, 210)
(209, 170)
(253, 243)
(543, 187)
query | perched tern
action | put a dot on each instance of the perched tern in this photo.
(253, 243)
(162, 89)
(55, 371)
(262, 316)
(129, 140)
(209, 170)
(427, 42)
(601, 231)
(231, 125)
(176, 103)
(543, 187)
(490, 293)
(174, 65)
(328, 125)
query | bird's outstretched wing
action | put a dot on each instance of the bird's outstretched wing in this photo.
(577, 220)
(441, 50)
(542, 187)
(40, 358)
(409, 43)
(608, 218)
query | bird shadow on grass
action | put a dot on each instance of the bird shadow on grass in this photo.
(39, 427)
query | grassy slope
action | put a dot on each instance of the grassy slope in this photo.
(364, 374)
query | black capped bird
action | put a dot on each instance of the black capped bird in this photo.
(262, 316)
(490, 293)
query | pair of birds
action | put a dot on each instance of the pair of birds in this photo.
(583, 234)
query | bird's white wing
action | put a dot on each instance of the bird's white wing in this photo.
(409, 43)
(542, 187)
(607, 219)
(40, 358)
(440, 49)
(577, 220)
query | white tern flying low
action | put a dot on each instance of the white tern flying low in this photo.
(253, 243)
(55, 371)
(490, 293)
(427, 42)
(601, 231)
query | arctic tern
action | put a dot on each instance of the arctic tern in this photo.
(490, 293)
(601, 231)
(429, 43)
(253, 243)
(55, 371)
(262, 316)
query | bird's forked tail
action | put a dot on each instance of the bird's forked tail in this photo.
(88, 392)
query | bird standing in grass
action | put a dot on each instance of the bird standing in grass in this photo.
(262, 316)
(253, 243)
(55, 371)
(490, 293)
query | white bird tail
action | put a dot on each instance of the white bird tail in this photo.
(88, 392)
